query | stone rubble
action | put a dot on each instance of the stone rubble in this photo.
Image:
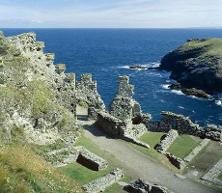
(100, 184)
(140, 186)
(165, 143)
(213, 173)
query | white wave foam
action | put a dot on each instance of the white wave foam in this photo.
(145, 66)
(178, 92)
(181, 107)
(218, 102)
(165, 86)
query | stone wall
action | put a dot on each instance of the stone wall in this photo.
(140, 186)
(165, 143)
(100, 184)
(184, 125)
(87, 92)
(176, 161)
(109, 124)
(90, 160)
(126, 109)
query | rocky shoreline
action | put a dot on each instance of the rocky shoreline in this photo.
(196, 64)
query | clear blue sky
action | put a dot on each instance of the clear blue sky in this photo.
(111, 13)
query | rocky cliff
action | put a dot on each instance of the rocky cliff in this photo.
(196, 64)
(37, 98)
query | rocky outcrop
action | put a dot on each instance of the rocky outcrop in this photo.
(167, 140)
(100, 184)
(140, 186)
(190, 91)
(41, 94)
(196, 64)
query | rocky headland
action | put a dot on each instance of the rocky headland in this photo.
(196, 65)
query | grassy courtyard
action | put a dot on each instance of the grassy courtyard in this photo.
(84, 175)
(183, 145)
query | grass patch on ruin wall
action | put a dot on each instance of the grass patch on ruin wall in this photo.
(22, 171)
(183, 145)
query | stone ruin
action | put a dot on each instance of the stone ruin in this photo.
(124, 107)
(78, 154)
(184, 125)
(100, 184)
(86, 90)
(125, 119)
(165, 143)
(90, 160)
(140, 186)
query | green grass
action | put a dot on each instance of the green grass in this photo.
(211, 46)
(152, 138)
(183, 145)
(22, 171)
(84, 175)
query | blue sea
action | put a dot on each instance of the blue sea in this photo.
(108, 53)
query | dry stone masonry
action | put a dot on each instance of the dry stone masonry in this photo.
(125, 119)
(184, 125)
(87, 91)
(165, 143)
(100, 184)
(140, 186)
(90, 160)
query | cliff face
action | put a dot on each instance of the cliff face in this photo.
(197, 64)
(37, 98)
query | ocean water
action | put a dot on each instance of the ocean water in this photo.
(108, 53)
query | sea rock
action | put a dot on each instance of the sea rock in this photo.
(196, 64)
(190, 91)
(138, 67)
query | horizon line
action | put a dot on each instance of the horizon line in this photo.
(111, 28)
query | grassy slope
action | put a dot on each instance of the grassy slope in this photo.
(22, 171)
(183, 145)
(212, 47)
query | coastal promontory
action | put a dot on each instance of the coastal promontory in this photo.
(196, 64)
